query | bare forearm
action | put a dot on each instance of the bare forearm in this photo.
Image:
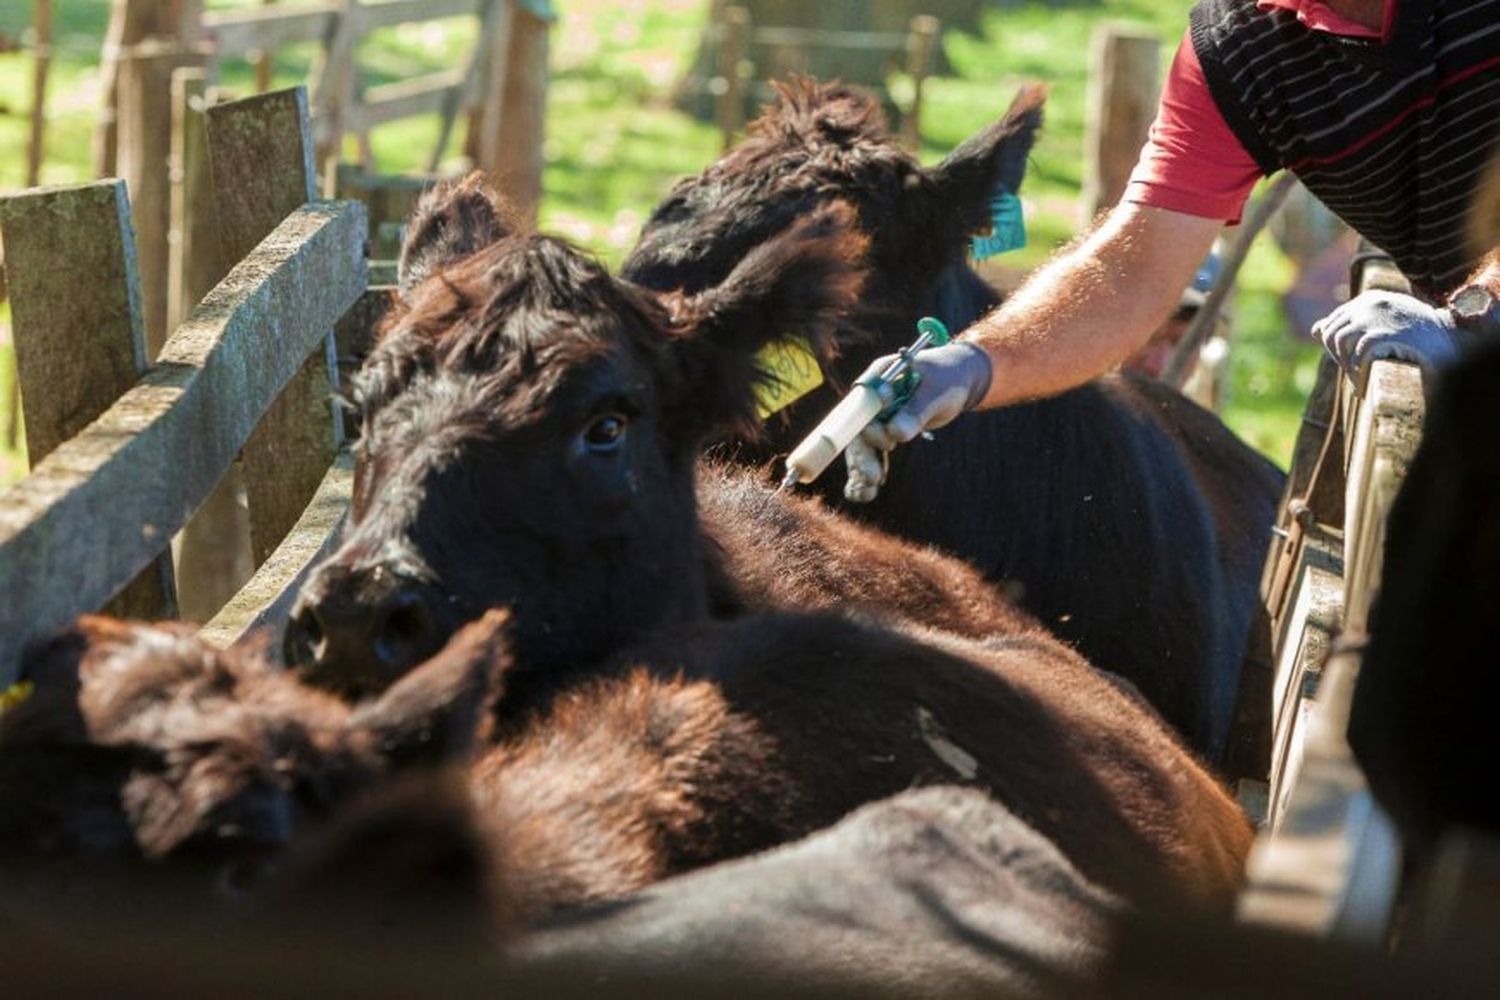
(1092, 306)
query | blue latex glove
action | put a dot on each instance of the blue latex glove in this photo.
(955, 378)
(1380, 324)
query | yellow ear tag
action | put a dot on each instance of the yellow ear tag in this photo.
(15, 694)
(793, 371)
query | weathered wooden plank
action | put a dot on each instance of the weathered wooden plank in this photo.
(236, 34)
(1332, 864)
(101, 506)
(145, 147)
(514, 128)
(213, 550)
(390, 102)
(1387, 431)
(266, 600)
(493, 27)
(59, 319)
(823, 38)
(389, 12)
(262, 154)
(336, 82)
(131, 22)
(79, 344)
(41, 68)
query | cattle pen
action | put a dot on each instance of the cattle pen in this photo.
(199, 465)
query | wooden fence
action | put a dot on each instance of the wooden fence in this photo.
(746, 55)
(500, 90)
(124, 451)
(1328, 861)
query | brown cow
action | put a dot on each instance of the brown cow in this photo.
(711, 742)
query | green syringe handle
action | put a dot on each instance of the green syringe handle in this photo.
(931, 332)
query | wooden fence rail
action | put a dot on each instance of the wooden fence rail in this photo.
(1328, 861)
(103, 504)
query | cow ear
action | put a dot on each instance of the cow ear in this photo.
(451, 221)
(803, 282)
(442, 710)
(954, 202)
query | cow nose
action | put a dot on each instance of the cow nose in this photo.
(357, 633)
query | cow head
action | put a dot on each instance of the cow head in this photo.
(139, 743)
(529, 429)
(822, 143)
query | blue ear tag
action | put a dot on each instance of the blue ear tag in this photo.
(1007, 228)
(541, 8)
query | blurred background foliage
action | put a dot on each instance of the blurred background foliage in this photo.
(615, 141)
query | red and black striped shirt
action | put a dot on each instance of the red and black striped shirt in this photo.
(1393, 136)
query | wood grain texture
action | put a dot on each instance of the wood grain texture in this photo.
(266, 600)
(213, 550)
(262, 155)
(103, 504)
(79, 344)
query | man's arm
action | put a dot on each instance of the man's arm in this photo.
(1093, 306)
(1076, 318)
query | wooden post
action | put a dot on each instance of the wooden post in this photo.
(79, 334)
(734, 44)
(261, 149)
(263, 62)
(515, 112)
(483, 112)
(213, 549)
(335, 83)
(130, 23)
(494, 29)
(921, 42)
(40, 69)
(144, 152)
(1121, 106)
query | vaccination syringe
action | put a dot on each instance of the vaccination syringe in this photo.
(871, 398)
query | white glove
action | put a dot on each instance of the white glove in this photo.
(954, 378)
(1379, 324)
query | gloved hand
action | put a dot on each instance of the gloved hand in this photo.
(1378, 324)
(954, 378)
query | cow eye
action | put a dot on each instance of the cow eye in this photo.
(605, 433)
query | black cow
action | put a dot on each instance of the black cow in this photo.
(1134, 522)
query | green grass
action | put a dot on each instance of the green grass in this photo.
(615, 143)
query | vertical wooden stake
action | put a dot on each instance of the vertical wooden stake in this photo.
(145, 147)
(263, 63)
(40, 69)
(336, 83)
(487, 101)
(213, 549)
(79, 344)
(921, 42)
(733, 45)
(514, 126)
(1121, 106)
(261, 149)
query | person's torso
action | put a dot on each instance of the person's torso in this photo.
(1392, 136)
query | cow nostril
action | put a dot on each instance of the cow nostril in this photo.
(406, 630)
